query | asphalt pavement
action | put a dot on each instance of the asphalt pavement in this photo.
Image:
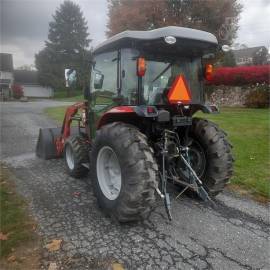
(233, 235)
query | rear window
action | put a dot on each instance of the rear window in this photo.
(160, 75)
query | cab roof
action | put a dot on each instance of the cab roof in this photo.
(187, 40)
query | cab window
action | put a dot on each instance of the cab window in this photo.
(160, 74)
(104, 78)
(129, 76)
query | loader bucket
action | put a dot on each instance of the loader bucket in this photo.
(46, 148)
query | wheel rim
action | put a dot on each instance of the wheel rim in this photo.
(69, 157)
(109, 173)
(197, 160)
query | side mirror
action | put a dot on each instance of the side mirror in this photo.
(70, 77)
(98, 80)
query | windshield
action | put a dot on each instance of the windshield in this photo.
(160, 75)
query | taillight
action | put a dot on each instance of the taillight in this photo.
(208, 71)
(141, 66)
(151, 110)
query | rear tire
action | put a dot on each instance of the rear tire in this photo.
(138, 172)
(215, 168)
(76, 153)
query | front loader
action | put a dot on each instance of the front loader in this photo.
(136, 131)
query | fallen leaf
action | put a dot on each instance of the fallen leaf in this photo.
(52, 266)
(117, 266)
(54, 245)
(3, 237)
(11, 258)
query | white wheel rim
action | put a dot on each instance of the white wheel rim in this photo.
(69, 157)
(109, 173)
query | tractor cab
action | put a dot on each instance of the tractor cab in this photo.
(160, 67)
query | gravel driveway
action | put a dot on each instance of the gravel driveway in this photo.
(234, 235)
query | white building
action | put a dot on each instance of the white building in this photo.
(6, 79)
(247, 56)
(28, 79)
(6, 74)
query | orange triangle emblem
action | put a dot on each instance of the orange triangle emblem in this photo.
(179, 91)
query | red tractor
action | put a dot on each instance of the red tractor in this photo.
(136, 131)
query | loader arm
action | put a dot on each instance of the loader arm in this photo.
(66, 126)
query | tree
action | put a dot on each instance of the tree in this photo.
(260, 56)
(66, 47)
(228, 59)
(219, 17)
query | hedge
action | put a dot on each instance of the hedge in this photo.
(242, 75)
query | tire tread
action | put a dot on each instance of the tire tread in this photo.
(138, 197)
(81, 155)
(219, 154)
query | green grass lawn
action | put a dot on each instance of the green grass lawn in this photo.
(248, 131)
(71, 99)
(56, 113)
(62, 96)
(14, 221)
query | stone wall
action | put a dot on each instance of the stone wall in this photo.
(227, 95)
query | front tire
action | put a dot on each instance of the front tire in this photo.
(122, 164)
(76, 152)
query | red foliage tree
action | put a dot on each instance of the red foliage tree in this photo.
(238, 76)
(17, 91)
(208, 15)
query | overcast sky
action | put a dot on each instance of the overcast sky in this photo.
(24, 24)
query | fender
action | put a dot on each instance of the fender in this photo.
(127, 111)
(211, 108)
(110, 114)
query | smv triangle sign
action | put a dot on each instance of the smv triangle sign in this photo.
(179, 92)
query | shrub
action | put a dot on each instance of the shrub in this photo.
(259, 97)
(239, 76)
(17, 91)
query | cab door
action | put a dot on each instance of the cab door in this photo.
(104, 86)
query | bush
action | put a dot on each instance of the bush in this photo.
(258, 98)
(239, 76)
(17, 91)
